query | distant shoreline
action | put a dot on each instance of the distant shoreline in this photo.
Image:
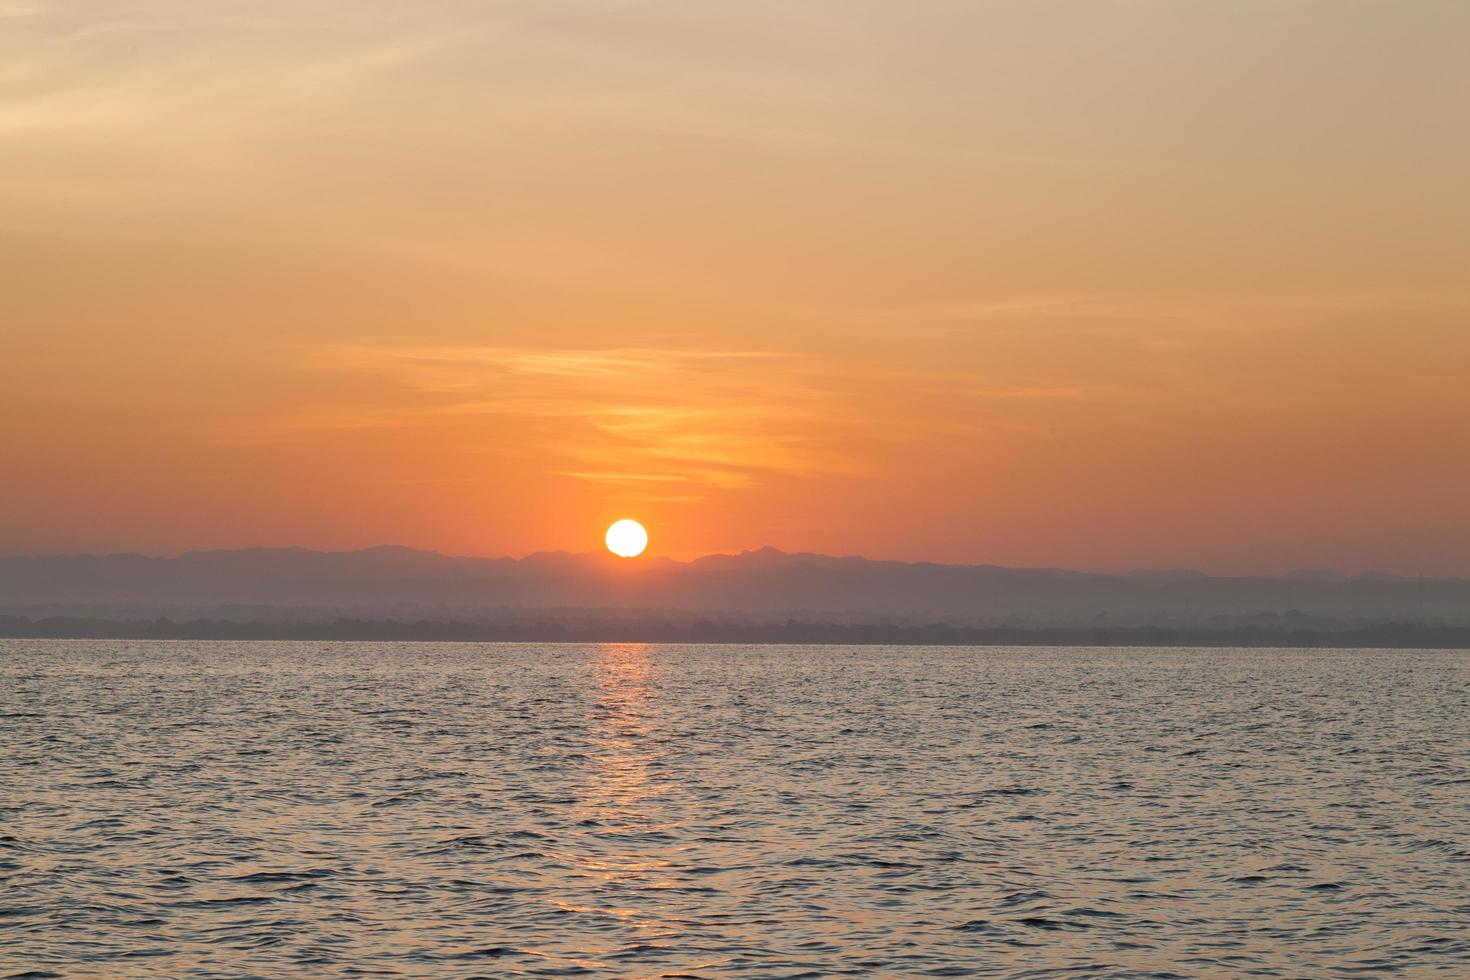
(1364, 636)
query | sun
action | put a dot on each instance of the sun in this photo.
(627, 538)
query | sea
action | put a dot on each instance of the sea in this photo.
(253, 809)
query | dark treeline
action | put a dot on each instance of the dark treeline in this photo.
(1380, 635)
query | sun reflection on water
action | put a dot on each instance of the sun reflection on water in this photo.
(628, 797)
(621, 727)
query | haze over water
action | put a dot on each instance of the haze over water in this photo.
(217, 809)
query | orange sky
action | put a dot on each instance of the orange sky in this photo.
(1093, 284)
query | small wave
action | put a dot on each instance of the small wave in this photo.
(267, 877)
(1025, 898)
(1050, 925)
(214, 903)
(486, 953)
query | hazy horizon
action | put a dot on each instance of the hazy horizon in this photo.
(767, 586)
(602, 555)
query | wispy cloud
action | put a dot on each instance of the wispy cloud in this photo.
(156, 71)
(454, 367)
(698, 420)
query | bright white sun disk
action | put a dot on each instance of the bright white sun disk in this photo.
(627, 538)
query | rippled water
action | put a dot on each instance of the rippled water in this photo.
(263, 809)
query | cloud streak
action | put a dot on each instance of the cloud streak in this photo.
(704, 420)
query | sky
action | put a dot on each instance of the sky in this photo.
(1101, 284)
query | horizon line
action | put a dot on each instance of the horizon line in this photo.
(1321, 573)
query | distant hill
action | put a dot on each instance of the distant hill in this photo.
(754, 586)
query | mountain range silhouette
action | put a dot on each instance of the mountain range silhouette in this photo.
(392, 582)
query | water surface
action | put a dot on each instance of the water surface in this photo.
(229, 809)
